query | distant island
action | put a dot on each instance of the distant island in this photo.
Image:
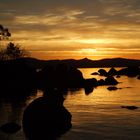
(85, 62)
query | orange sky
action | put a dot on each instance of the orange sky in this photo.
(74, 29)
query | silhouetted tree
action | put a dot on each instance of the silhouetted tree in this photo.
(1, 31)
(2, 54)
(4, 33)
(12, 51)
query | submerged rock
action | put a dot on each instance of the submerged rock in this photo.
(112, 88)
(130, 107)
(95, 73)
(111, 81)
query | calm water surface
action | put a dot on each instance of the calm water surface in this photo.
(98, 116)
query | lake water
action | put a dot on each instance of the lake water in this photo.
(97, 116)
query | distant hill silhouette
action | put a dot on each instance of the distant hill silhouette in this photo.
(84, 63)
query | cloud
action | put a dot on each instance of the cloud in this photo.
(49, 19)
(65, 25)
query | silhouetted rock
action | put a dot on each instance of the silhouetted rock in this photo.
(89, 85)
(10, 128)
(112, 88)
(95, 73)
(88, 90)
(91, 82)
(112, 72)
(102, 72)
(130, 107)
(60, 76)
(110, 81)
(75, 78)
(46, 117)
(130, 71)
(101, 82)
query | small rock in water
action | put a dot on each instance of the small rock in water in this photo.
(112, 88)
(10, 128)
(128, 87)
(111, 81)
(95, 73)
(130, 107)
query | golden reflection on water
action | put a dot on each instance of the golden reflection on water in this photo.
(100, 116)
(95, 116)
(102, 104)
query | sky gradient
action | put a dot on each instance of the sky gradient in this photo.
(61, 29)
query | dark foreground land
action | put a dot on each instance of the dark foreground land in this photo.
(54, 78)
(29, 73)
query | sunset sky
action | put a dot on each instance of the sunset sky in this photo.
(61, 29)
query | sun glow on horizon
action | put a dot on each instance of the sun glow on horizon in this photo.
(88, 51)
(75, 29)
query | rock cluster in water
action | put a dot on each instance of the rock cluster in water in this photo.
(18, 74)
(132, 71)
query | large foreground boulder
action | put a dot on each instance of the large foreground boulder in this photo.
(46, 117)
